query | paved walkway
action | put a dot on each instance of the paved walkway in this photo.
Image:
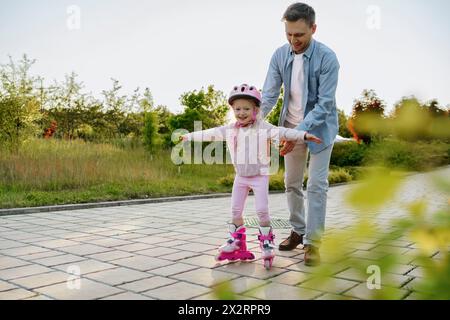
(166, 251)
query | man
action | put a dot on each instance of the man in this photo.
(308, 70)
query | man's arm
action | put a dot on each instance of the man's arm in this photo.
(328, 80)
(272, 86)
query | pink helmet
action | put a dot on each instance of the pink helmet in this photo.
(245, 91)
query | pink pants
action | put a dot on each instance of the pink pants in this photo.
(260, 186)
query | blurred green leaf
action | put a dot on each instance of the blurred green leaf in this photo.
(377, 189)
(224, 291)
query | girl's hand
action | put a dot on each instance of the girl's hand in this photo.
(183, 138)
(313, 138)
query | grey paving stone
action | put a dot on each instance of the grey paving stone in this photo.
(202, 261)
(22, 251)
(291, 278)
(110, 255)
(5, 286)
(16, 294)
(127, 296)
(87, 290)
(54, 244)
(173, 269)
(41, 255)
(42, 279)
(142, 263)
(334, 268)
(277, 291)
(183, 255)
(283, 262)
(17, 235)
(134, 247)
(9, 262)
(85, 266)
(361, 291)
(178, 291)
(9, 244)
(19, 272)
(417, 272)
(128, 236)
(331, 285)
(401, 268)
(39, 296)
(243, 284)
(330, 296)
(152, 240)
(117, 276)
(196, 247)
(205, 277)
(84, 249)
(147, 284)
(110, 242)
(371, 255)
(60, 259)
(255, 270)
(157, 251)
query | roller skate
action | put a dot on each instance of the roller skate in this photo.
(267, 245)
(236, 246)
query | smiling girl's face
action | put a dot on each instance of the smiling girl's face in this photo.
(245, 110)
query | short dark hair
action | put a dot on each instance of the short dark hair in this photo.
(300, 11)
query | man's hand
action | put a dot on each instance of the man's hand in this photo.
(287, 146)
(313, 138)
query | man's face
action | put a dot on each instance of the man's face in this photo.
(299, 35)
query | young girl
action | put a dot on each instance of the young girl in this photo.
(248, 140)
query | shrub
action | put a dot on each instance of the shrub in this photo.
(339, 176)
(418, 156)
(348, 154)
(276, 182)
(226, 181)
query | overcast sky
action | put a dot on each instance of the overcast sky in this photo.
(396, 47)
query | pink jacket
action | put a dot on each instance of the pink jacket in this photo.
(249, 146)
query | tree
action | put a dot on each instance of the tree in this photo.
(414, 121)
(20, 103)
(150, 134)
(367, 117)
(435, 110)
(114, 107)
(343, 124)
(164, 116)
(210, 107)
(67, 106)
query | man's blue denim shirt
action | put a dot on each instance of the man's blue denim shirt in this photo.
(321, 68)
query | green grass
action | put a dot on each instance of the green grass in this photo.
(47, 172)
(336, 175)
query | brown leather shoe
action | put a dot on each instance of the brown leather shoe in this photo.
(312, 255)
(291, 242)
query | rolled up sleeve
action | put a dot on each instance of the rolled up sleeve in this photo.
(272, 86)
